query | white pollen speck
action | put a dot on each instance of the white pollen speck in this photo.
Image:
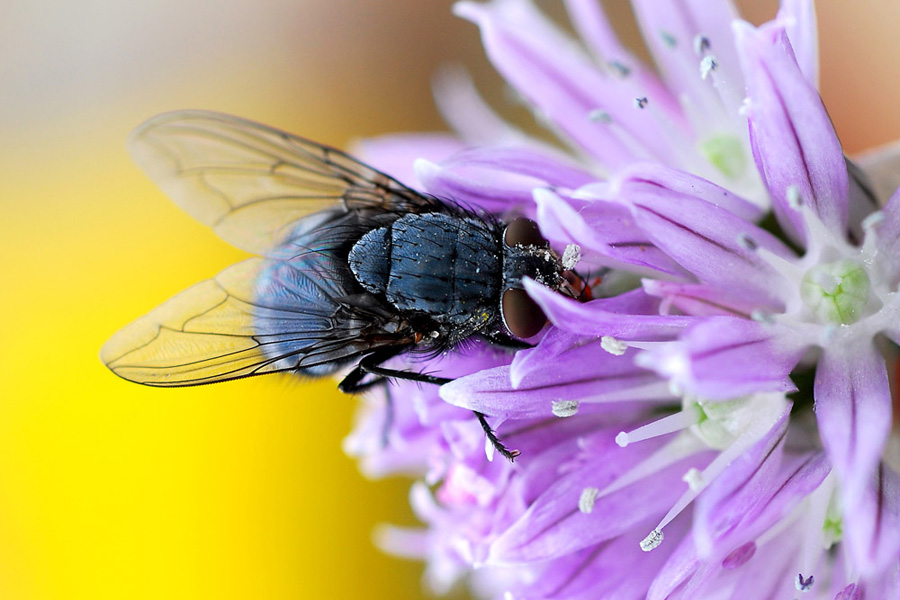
(586, 500)
(701, 44)
(571, 256)
(613, 346)
(794, 199)
(694, 479)
(653, 540)
(565, 408)
(641, 102)
(707, 65)
(622, 439)
(873, 220)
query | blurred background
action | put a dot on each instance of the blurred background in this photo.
(112, 490)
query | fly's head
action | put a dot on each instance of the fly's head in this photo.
(526, 253)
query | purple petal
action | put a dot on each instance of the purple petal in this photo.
(671, 29)
(766, 575)
(754, 493)
(606, 232)
(584, 374)
(396, 154)
(498, 179)
(709, 241)
(687, 184)
(726, 357)
(799, 18)
(794, 143)
(603, 316)
(697, 299)
(554, 526)
(466, 112)
(872, 527)
(604, 571)
(853, 408)
(543, 64)
(594, 28)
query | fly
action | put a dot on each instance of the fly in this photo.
(352, 268)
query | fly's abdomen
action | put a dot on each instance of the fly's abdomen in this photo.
(446, 266)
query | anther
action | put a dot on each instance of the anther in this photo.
(701, 44)
(564, 408)
(794, 199)
(653, 540)
(613, 346)
(694, 479)
(804, 585)
(587, 499)
(707, 65)
(641, 102)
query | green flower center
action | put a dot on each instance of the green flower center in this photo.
(726, 153)
(836, 292)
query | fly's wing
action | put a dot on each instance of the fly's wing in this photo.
(258, 316)
(252, 183)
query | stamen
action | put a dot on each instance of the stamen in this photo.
(675, 422)
(756, 423)
(694, 479)
(613, 346)
(653, 540)
(565, 408)
(708, 65)
(641, 102)
(804, 585)
(794, 199)
(701, 44)
(587, 499)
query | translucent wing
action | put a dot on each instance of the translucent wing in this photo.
(258, 316)
(252, 183)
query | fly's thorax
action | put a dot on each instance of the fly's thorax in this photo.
(445, 266)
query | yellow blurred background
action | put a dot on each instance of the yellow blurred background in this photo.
(113, 490)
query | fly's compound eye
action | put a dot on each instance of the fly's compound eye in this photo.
(523, 232)
(521, 315)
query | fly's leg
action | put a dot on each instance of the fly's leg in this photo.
(372, 364)
(508, 342)
(510, 455)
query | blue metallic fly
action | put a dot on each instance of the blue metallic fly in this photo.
(352, 267)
